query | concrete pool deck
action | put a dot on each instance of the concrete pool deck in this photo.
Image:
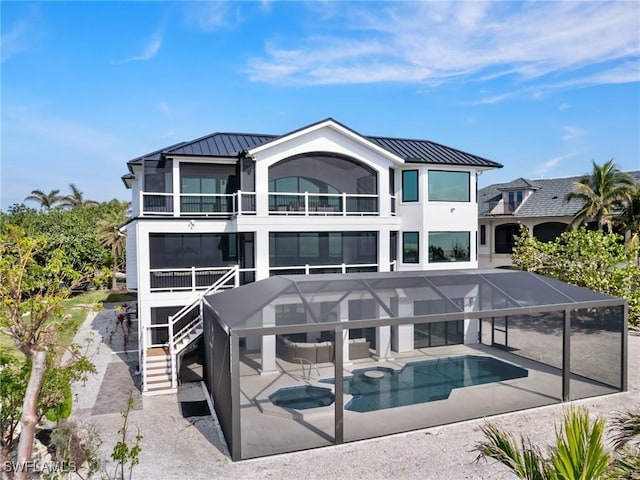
(175, 447)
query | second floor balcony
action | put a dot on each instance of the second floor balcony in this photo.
(229, 205)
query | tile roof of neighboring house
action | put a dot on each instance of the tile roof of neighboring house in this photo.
(518, 184)
(232, 144)
(547, 200)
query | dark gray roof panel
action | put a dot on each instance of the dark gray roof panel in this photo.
(254, 305)
(425, 151)
(412, 151)
(548, 199)
(221, 144)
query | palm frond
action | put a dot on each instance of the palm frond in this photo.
(579, 452)
(626, 428)
(626, 465)
(524, 460)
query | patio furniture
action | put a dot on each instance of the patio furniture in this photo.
(318, 352)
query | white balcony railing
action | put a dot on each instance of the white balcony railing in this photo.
(192, 279)
(323, 204)
(244, 203)
(192, 204)
(313, 269)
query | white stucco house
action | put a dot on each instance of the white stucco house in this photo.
(233, 208)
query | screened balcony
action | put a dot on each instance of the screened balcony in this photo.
(323, 184)
(305, 185)
(194, 261)
(202, 189)
(299, 362)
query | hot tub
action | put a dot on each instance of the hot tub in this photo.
(302, 397)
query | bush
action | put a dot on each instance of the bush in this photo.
(590, 259)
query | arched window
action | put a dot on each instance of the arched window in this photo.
(322, 173)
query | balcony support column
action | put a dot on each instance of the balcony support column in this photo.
(175, 177)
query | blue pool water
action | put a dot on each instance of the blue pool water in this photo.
(302, 397)
(424, 381)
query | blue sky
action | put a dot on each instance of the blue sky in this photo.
(541, 87)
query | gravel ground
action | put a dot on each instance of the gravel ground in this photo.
(176, 448)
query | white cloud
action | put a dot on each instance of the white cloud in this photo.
(564, 106)
(150, 50)
(564, 44)
(571, 132)
(211, 16)
(552, 163)
(22, 35)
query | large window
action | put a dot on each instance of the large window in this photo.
(410, 191)
(448, 186)
(438, 334)
(157, 176)
(505, 237)
(184, 250)
(158, 182)
(449, 247)
(322, 248)
(515, 199)
(198, 178)
(410, 247)
(331, 174)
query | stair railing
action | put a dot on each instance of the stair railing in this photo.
(233, 273)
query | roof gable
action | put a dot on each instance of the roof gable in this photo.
(331, 125)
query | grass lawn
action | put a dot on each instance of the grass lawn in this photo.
(77, 307)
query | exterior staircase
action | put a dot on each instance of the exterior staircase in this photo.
(160, 369)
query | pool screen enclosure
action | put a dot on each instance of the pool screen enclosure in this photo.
(301, 334)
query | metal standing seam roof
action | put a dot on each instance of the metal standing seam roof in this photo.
(232, 144)
(547, 199)
(431, 293)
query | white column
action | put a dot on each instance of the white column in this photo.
(262, 187)
(384, 199)
(261, 245)
(343, 315)
(383, 250)
(175, 176)
(403, 334)
(268, 342)
(472, 325)
(383, 343)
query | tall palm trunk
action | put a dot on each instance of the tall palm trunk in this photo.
(30, 413)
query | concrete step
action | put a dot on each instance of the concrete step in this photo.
(159, 391)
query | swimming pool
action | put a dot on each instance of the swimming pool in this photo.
(423, 381)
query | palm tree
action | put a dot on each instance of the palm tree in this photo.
(628, 216)
(109, 235)
(626, 442)
(46, 200)
(579, 452)
(76, 199)
(601, 192)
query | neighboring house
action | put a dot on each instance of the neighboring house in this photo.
(538, 205)
(231, 208)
